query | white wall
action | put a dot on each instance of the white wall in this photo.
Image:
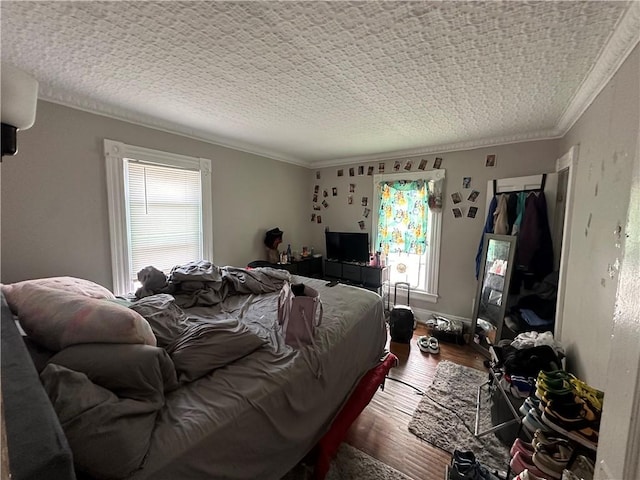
(460, 237)
(607, 134)
(54, 197)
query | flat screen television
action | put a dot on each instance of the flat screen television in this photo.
(347, 246)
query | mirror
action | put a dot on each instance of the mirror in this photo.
(493, 289)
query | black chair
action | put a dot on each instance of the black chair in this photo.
(259, 263)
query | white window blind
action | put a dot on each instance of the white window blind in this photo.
(165, 216)
(160, 211)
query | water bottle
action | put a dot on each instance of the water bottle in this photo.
(289, 257)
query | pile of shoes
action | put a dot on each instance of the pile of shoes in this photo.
(549, 458)
(563, 415)
(464, 466)
(570, 406)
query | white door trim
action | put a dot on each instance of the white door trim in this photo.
(568, 160)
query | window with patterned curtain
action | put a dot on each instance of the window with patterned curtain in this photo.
(402, 217)
(407, 225)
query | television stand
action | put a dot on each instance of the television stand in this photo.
(360, 274)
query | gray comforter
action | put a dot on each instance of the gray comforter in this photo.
(205, 284)
(247, 405)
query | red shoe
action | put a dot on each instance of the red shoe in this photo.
(521, 446)
(521, 462)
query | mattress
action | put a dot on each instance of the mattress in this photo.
(258, 416)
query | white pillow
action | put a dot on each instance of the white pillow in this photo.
(56, 319)
(14, 295)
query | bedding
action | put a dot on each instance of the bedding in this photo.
(239, 403)
(56, 318)
(14, 293)
(204, 346)
(109, 435)
(259, 415)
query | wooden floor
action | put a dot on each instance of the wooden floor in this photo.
(381, 429)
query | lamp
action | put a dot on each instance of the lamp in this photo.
(19, 97)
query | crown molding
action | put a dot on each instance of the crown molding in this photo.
(442, 148)
(90, 105)
(623, 40)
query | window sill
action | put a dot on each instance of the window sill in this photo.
(415, 294)
(425, 296)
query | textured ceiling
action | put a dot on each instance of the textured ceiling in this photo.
(324, 82)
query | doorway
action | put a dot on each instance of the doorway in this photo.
(566, 169)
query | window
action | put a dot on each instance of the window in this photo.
(407, 226)
(159, 211)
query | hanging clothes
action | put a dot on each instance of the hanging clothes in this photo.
(534, 254)
(522, 197)
(488, 228)
(512, 211)
(501, 221)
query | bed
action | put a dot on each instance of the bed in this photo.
(260, 414)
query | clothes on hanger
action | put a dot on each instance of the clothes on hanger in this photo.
(488, 228)
(523, 214)
(522, 197)
(501, 221)
(512, 211)
(534, 252)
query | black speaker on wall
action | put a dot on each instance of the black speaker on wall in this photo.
(9, 140)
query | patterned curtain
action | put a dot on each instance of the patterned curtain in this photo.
(402, 219)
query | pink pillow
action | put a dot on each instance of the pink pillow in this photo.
(56, 319)
(13, 292)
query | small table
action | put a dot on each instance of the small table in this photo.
(310, 266)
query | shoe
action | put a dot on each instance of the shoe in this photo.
(485, 474)
(561, 379)
(529, 403)
(573, 413)
(521, 446)
(557, 379)
(423, 343)
(464, 466)
(527, 475)
(591, 395)
(587, 436)
(584, 420)
(464, 472)
(524, 385)
(434, 345)
(532, 422)
(521, 462)
(462, 457)
(541, 440)
(569, 475)
(552, 458)
(554, 374)
(583, 468)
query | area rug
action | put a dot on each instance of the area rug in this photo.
(350, 464)
(446, 415)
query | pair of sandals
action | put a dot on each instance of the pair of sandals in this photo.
(428, 344)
